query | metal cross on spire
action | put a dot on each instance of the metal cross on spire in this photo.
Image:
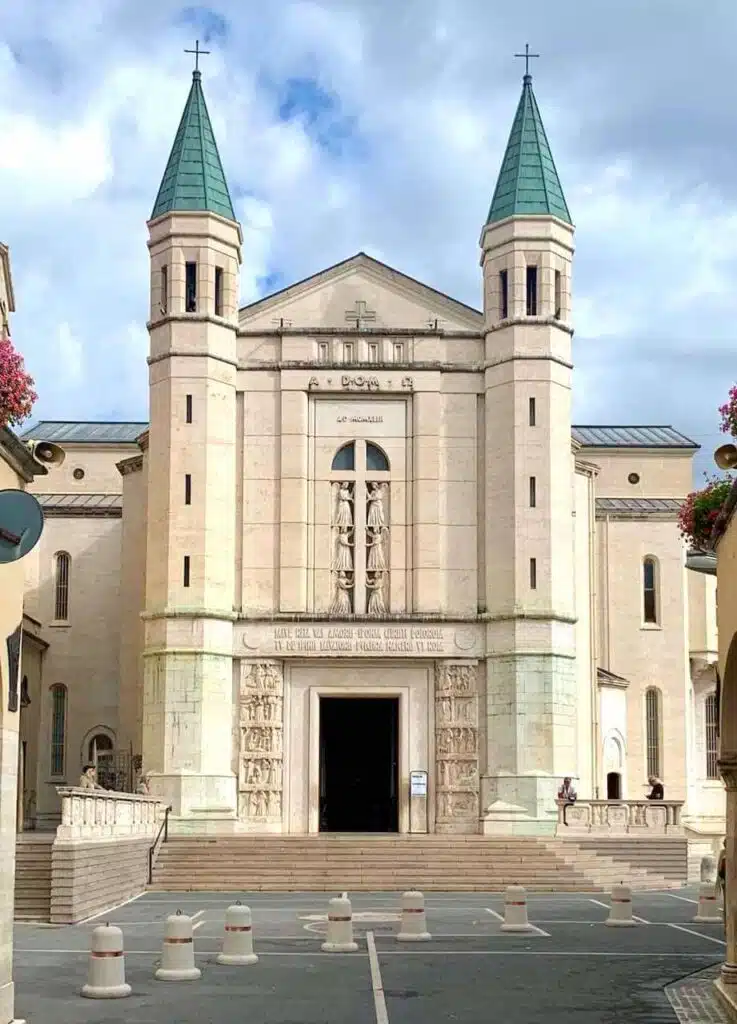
(197, 53)
(527, 55)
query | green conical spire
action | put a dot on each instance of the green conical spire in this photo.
(528, 181)
(194, 177)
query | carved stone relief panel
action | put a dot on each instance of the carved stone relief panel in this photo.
(261, 720)
(456, 747)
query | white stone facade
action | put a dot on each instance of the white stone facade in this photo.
(362, 488)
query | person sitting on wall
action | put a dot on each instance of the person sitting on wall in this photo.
(144, 785)
(568, 796)
(657, 791)
(88, 778)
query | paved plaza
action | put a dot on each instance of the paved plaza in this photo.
(571, 968)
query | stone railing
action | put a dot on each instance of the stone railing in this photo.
(99, 813)
(620, 817)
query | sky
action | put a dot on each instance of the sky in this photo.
(376, 126)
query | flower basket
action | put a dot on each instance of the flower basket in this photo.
(699, 512)
(16, 386)
(728, 412)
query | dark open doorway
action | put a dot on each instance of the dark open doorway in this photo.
(614, 786)
(359, 755)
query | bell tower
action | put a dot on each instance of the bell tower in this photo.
(527, 250)
(195, 252)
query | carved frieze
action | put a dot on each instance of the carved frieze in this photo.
(261, 719)
(456, 746)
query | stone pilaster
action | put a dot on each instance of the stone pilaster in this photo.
(728, 771)
(456, 747)
(260, 761)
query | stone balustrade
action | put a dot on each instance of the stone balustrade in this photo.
(99, 813)
(620, 817)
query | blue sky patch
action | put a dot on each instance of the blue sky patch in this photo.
(272, 282)
(304, 99)
(209, 23)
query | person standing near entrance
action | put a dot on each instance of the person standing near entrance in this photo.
(567, 796)
(721, 885)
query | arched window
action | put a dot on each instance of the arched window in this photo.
(360, 525)
(58, 728)
(100, 748)
(61, 587)
(376, 460)
(345, 458)
(652, 731)
(711, 728)
(649, 590)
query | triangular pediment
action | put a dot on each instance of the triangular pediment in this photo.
(384, 297)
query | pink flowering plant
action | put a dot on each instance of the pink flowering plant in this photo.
(699, 511)
(728, 412)
(16, 386)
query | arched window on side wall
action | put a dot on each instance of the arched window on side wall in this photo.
(345, 458)
(711, 730)
(652, 731)
(58, 728)
(61, 586)
(649, 591)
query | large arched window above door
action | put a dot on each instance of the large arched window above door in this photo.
(359, 555)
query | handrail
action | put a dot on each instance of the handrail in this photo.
(163, 829)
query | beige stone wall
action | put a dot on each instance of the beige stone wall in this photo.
(703, 638)
(96, 461)
(88, 877)
(132, 602)
(646, 655)
(662, 475)
(84, 650)
(585, 562)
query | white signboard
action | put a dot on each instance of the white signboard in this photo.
(418, 783)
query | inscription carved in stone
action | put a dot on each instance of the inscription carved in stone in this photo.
(260, 775)
(456, 746)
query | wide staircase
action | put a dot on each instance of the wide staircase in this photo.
(33, 877)
(319, 863)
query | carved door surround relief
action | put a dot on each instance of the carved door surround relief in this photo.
(456, 747)
(261, 720)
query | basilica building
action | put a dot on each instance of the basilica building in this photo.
(360, 572)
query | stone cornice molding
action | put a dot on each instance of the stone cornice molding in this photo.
(728, 770)
(132, 465)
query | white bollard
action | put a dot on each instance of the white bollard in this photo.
(106, 976)
(515, 910)
(708, 908)
(414, 923)
(708, 870)
(620, 913)
(340, 927)
(238, 940)
(177, 954)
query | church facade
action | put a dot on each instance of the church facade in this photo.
(359, 571)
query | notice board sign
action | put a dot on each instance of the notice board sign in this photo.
(418, 783)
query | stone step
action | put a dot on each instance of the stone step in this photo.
(32, 878)
(435, 863)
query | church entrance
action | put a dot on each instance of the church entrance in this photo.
(359, 762)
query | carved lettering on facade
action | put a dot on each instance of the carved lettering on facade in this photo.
(260, 776)
(359, 383)
(456, 747)
(423, 640)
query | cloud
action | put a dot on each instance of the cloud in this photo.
(363, 124)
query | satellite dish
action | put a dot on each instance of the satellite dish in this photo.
(21, 524)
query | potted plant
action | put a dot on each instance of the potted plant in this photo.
(699, 512)
(16, 386)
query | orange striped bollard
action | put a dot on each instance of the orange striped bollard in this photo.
(238, 940)
(106, 977)
(177, 954)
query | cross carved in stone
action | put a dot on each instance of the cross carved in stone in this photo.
(359, 314)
